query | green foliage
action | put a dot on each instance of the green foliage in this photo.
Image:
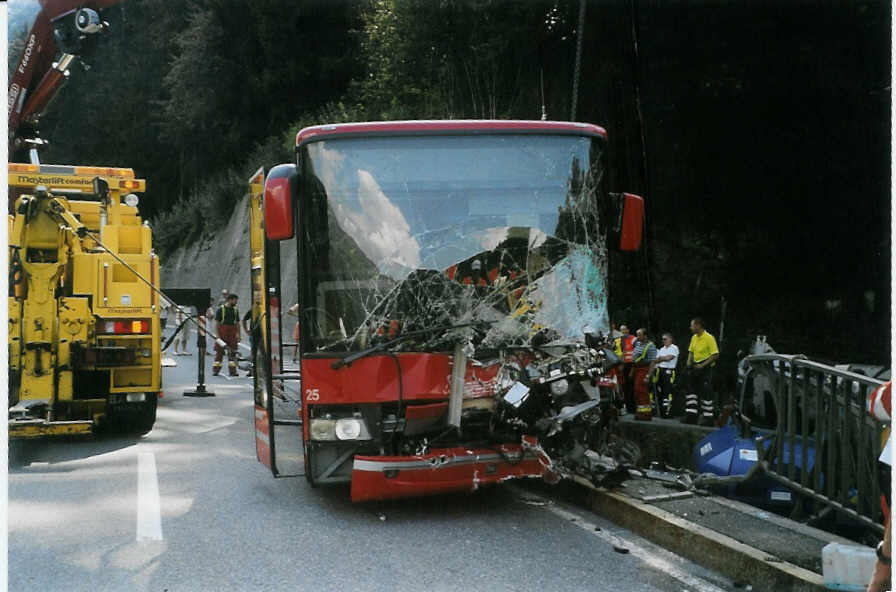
(183, 90)
(334, 112)
(241, 71)
(460, 59)
(764, 158)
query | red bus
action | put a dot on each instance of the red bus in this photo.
(444, 272)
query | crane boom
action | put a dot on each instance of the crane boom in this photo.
(62, 31)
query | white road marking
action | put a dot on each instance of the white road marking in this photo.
(693, 583)
(149, 516)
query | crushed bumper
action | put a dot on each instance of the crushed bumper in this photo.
(444, 470)
(39, 428)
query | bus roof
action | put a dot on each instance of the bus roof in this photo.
(447, 126)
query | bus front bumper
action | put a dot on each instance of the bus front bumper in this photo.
(445, 470)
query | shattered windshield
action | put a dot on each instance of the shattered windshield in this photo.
(499, 233)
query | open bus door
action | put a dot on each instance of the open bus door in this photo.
(261, 381)
(267, 342)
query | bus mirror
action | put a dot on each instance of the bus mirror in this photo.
(632, 222)
(278, 202)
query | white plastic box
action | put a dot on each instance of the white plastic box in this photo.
(847, 567)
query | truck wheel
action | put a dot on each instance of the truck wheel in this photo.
(138, 420)
(144, 421)
(308, 476)
(16, 453)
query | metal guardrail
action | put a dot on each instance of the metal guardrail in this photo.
(822, 441)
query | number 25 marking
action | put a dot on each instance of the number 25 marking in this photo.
(312, 395)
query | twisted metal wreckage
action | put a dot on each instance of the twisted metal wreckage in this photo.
(511, 322)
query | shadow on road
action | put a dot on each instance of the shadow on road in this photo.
(484, 501)
(24, 452)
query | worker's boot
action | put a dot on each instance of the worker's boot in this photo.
(707, 413)
(231, 367)
(643, 413)
(690, 409)
(666, 408)
(216, 368)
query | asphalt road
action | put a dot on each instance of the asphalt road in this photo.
(187, 508)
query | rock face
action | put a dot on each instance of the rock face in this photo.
(222, 262)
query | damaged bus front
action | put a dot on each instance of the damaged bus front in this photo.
(452, 297)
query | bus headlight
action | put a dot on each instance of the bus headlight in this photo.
(344, 428)
(352, 428)
(348, 428)
(322, 429)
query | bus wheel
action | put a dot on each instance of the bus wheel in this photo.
(308, 476)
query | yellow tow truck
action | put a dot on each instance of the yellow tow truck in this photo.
(84, 323)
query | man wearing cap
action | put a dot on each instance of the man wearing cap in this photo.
(227, 319)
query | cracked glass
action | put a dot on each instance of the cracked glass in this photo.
(495, 240)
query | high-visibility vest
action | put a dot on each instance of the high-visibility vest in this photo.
(625, 348)
(227, 315)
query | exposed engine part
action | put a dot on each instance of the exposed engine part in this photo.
(551, 394)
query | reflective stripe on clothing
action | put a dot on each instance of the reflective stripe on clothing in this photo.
(641, 394)
(644, 352)
(227, 315)
(879, 402)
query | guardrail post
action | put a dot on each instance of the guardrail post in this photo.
(791, 423)
(820, 441)
(804, 428)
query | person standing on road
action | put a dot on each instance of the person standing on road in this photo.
(643, 360)
(614, 332)
(664, 377)
(203, 321)
(702, 355)
(227, 319)
(180, 342)
(624, 346)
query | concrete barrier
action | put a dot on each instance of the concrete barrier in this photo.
(704, 546)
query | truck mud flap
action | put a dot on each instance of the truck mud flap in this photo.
(49, 429)
(441, 471)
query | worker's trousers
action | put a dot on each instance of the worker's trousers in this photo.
(643, 410)
(665, 384)
(229, 334)
(700, 389)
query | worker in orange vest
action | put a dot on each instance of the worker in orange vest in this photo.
(625, 348)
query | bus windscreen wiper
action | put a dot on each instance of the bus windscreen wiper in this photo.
(347, 360)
